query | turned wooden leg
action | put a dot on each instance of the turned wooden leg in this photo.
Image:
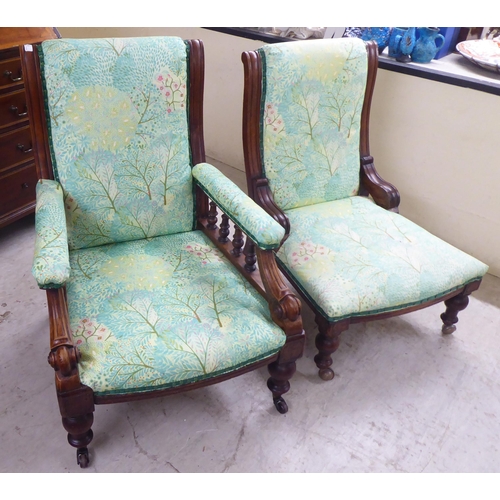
(327, 342)
(77, 412)
(279, 383)
(450, 316)
(80, 435)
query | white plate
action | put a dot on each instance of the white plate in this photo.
(484, 53)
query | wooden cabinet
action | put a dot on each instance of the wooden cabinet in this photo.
(18, 168)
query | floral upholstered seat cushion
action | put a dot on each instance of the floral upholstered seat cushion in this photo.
(353, 258)
(118, 130)
(312, 97)
(162, 312)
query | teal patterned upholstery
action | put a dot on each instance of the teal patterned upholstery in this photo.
(352, 258)
(171, 310)
(152, 303)
(313, 94)
(347, 255)
(243, 211)
(51, 267)
(119, 136)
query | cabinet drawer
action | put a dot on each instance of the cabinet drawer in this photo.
(18, 189)
(13, 108)
(10, 73)
(15, 148)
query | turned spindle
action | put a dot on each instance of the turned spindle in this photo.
(238, 241)
(224, 229)
(212, 216)
(250, 256)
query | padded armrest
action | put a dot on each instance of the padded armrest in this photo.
(242, 210)
(51, 267)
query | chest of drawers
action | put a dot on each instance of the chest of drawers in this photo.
(18, 169)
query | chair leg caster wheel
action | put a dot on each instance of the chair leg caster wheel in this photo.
(326, 374)
(82, 457)
(280, 404)
(448, 329)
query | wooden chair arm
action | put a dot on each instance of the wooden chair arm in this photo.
(64, 355)
(263, 229)
(264, 197)
(383, 193)
(285, 307)
(266, 278)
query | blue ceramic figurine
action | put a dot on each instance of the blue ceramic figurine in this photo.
(401, 43)
(428, 43)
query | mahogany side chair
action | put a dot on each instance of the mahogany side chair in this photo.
(147, 295)
(347, 250)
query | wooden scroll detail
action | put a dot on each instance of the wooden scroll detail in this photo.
(383, 193)
(284, 306)
(264, 198)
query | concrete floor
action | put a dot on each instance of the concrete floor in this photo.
(404, 399)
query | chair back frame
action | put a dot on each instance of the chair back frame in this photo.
(371, 183)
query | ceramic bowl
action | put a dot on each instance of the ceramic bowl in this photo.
(484, 53)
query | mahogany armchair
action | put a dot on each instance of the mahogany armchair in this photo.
(147, 295)
(347, 250)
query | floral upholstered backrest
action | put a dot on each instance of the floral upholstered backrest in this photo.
(118, 127)
(312, 98)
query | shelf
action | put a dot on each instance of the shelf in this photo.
(452, 69)
(252, 34)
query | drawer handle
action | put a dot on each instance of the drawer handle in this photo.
(16, 111)
(9, 74)
(22, 146)
(25, 185)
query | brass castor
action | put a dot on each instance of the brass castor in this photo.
(326, 374)
(280, 404)
(82, 457)
(446, 330)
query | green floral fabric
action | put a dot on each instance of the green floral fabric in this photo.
(313, 94)
(171, 310)
(119, 136)
(353, 258)
(51, 267)
(241, 209)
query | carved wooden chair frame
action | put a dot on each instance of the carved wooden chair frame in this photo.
(76, 401)
(382, 192)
